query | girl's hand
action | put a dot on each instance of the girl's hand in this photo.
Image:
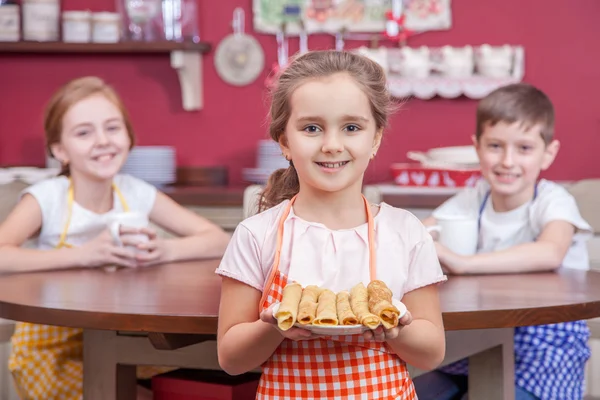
(380, 334)
(102, 251)
(293, 333)
(152, 252)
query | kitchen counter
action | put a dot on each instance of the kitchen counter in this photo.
(227, 196)
(207, 196)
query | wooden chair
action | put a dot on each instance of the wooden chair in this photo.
(587, 193)
(251, 198)
(9, 195)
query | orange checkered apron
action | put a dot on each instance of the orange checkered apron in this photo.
(46, 361)
(336, 367)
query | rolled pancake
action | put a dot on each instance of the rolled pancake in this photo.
(344, 310)
(326, 312)
(307, 310)
(359, 301)
(380, 304)
(288, 308)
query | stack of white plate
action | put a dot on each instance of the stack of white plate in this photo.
(268, 159)
(153, 164)
(29, 175)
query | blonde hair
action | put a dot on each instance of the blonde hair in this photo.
(518, 102)
(283, 184)
(70, 94)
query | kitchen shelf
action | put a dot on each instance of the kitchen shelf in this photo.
(120, 47)
(186, 59)
(473, 87)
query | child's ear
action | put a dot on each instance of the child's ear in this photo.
(550, 154)
(58, 152)
(475, 141)
(283, 146)
(377, 141)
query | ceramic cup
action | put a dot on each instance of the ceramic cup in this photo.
(130, 220)
(457, 232)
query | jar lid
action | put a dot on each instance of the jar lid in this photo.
(41, 1)
(76, 14)
(106, 16)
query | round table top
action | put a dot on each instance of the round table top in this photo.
(184, 298)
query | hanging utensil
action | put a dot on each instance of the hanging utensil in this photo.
(339, 40)
(239, 58)
(282, 47)
(282, 57)
(303, 39)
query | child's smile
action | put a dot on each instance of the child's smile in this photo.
(506, 177)
(332, 167)
(104, 158)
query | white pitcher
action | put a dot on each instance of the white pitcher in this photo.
(456, 62)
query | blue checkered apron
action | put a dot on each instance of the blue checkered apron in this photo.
(549, 359)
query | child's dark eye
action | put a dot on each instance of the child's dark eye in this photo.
(526, 148)
(82, 133)
(493, 145)
(352, 128)
(312, 129)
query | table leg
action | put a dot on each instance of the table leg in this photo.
(492, 372)
(103, 378)
(491, 361)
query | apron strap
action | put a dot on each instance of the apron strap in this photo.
(62, 241)
(121, 198)
(486, 197)
(279, 245)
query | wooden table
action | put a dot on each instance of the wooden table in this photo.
(159, 315)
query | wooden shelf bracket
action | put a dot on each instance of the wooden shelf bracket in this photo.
(188, 65)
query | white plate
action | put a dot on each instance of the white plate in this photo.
(342, 329)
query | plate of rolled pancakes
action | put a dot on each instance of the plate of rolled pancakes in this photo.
(352, 312)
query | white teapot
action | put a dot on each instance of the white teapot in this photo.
(379, 55)
(494, 62)
(456, 62)
(415, 62)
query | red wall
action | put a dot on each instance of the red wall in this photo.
(562, 47)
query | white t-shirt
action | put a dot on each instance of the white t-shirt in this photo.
(313, 254)
(52, 194)
(501, 230)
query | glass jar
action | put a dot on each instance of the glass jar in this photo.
(41, 20)
(77, 26)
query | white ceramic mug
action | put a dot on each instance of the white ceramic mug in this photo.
(457, 232)
(127, 219)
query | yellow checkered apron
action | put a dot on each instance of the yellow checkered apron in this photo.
(47, 361)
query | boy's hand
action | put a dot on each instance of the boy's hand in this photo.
(452, 263)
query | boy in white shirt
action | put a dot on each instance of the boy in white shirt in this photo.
(526, 224)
